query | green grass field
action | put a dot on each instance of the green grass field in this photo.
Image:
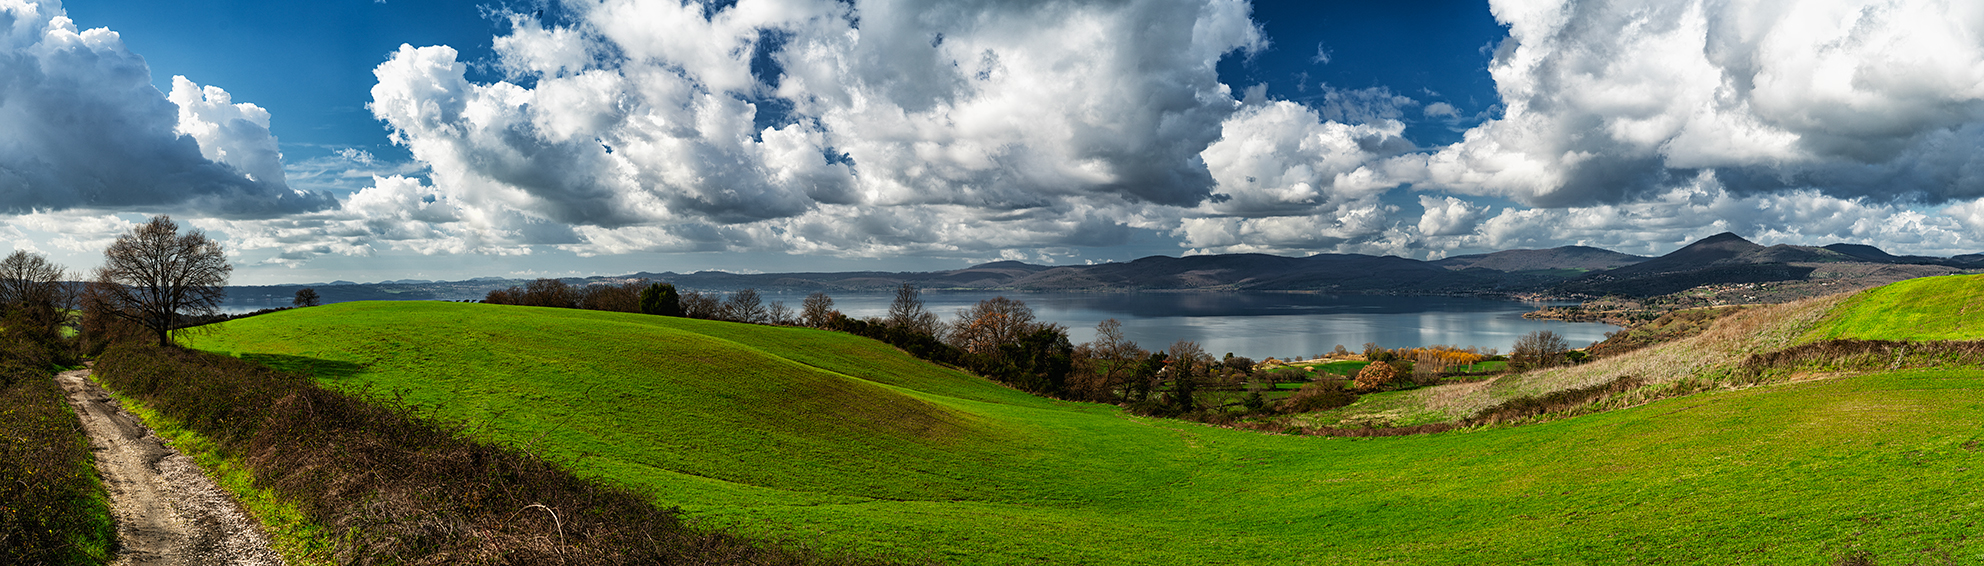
(1930, 308)
(828, 439)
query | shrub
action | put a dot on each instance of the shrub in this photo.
(53, 509)
(625, 297)
(1539, 349)
(661, 299)
(1376, 375)
(1319, 395)
(1531, 406)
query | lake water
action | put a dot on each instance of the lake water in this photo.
(1259, 325)
(1252, 324)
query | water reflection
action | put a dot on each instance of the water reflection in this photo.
(1252, 324)
(1258, 325)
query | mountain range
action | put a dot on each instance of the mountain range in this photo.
(1569, 271)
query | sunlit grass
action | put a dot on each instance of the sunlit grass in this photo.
(843, 442)
(1928, 308)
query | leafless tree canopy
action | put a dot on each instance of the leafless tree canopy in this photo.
(156, 276)
(745, 306)
(985, 326)
(33, 298)
(625, 297)
(816, 310)
(777, 313)
(701, 305)
(29, 279)
(1539, 349)
(1103, 366)
(907, 312)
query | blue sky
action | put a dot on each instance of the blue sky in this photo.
(777, 135)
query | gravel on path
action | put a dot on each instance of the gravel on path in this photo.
(168, 513)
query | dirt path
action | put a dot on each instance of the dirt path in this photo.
(168, 513)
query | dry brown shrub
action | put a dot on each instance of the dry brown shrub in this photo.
(1376, 375)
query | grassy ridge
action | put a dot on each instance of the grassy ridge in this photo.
(839, 441)
(1929, 308)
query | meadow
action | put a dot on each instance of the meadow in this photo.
(828, 439)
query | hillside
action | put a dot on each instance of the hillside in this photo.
(1579, 258)
(1727, 259)
(1725, 269)
(1929, 308)
(834, 440)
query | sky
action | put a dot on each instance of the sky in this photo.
(372, 140)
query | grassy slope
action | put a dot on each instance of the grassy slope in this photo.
(1929, 308)
(1707, 356)
(841, 441)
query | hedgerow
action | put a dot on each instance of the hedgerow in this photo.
(53, 509)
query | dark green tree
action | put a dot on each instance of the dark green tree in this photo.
(1040, 360)
(661, 299)
(306, 297)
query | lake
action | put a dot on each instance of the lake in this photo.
(1260, 324)
(1252, 324)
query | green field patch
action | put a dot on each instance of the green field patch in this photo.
(1949, 307)
(841, 442)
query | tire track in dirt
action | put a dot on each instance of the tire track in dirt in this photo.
(168, 513)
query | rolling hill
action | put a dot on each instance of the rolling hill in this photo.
(1723, 259)
(1578, 258)
(828, 439)
(1726, 259)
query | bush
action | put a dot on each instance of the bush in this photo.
(1539, 349)
(661, 299)
(1532, 406)
(1319, 395)
(1376, 375)
(625, 297)
(53, 509)
(396, 487)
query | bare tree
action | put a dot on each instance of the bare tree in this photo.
(306, 297)
(546, 292)
(625, 297)
(1539, 349)
(29, 279)
(745, 306)
(157, 277)
(989, 324)
(779, 314)
(33, 297)
(701, 305)
(1189, 363)
(817, 310)
(907, 312)
(1104, 365)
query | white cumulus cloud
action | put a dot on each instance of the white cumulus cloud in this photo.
(85, 129)
(1612, 102)
(886, 126)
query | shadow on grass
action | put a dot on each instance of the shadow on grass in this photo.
(315, 367)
